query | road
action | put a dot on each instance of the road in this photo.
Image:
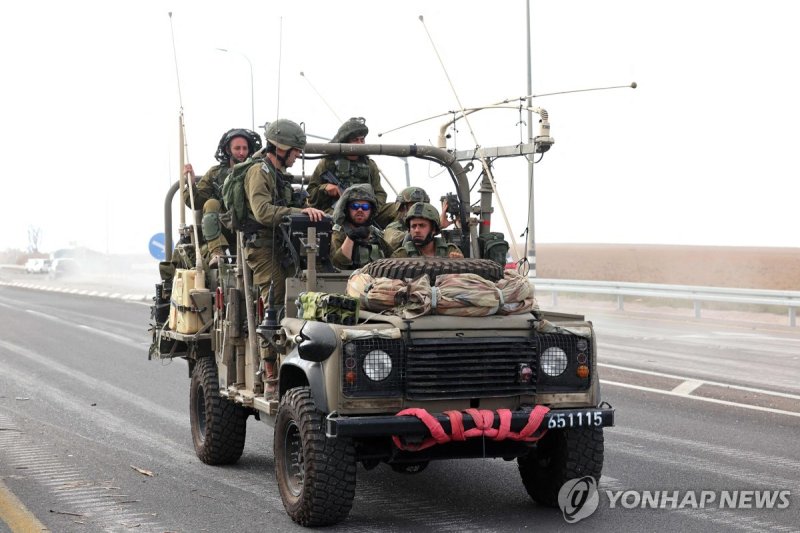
(94, 437)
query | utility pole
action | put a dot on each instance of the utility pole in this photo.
(531, 236)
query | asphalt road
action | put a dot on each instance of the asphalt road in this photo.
(94, 437)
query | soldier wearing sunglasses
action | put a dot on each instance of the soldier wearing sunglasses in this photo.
(356, 239)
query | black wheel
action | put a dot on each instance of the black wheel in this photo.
(560, 456)
(414, 267)
(316, 475)
(218, 425)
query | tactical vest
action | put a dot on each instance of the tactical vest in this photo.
(351, 172)
(440, 248)
(365, 253)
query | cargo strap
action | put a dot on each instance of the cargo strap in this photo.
(483, 419)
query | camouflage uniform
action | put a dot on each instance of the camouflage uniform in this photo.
(269, 199)
(208, 192)
(395, 232)
(442, 248)
(361, 170)
(208, 197)
(363, 251)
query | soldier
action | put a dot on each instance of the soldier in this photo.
(356, 241)
(268, 190)
(396, 231)
(424, 223)
(334, 174)
(235, 146)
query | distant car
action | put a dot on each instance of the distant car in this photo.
(37, 265)
(63, 266)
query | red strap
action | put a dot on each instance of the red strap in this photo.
(483, 419)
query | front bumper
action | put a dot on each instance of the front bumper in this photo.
(409, 426)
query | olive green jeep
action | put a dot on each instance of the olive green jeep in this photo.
(377, 387)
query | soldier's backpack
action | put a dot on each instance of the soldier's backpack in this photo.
(234, 197)
(493, 246)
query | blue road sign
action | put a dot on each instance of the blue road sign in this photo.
(157, 247)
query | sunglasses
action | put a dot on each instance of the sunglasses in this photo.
(364, 207)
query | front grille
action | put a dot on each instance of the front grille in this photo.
(468, 367)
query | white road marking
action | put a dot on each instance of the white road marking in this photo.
(687, 387)
(703, 381)
(700, 398)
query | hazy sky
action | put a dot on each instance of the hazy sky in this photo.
(703, 152)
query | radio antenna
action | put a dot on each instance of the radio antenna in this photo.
(280, 55)
(320, 96)
(184, 158)
(486, 168)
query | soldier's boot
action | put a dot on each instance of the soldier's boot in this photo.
(270, 381)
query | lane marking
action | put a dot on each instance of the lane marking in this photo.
(700, 398)
(14, 513)
(702, 381)
(687, 387)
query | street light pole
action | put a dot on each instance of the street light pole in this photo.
(252, 97)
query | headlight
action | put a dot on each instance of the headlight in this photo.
(378, 365)
(554, 361)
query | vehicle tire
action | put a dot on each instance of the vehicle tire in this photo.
(218, 425)
(414, 267)
(316, 475)
(560, 456)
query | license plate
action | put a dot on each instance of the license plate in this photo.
(592, 418)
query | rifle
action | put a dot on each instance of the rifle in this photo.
(330, 177)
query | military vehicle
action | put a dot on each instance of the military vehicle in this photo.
(366, 387)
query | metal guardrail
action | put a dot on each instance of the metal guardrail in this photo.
(697, 295)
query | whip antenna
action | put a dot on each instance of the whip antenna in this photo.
(484, 163)
(320, 96)
(280, 55)
(184, 158)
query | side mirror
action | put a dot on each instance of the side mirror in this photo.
(317, 341)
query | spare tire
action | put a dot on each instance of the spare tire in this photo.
(414, 267)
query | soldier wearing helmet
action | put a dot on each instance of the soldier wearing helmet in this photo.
(424, 223)
(268, 191)
(269, 196)
(356, 240)
(395, 232)
(346, 170)
(234, 146)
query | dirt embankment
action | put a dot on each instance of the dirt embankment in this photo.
(711, 266)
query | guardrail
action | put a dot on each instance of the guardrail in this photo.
(697, 295)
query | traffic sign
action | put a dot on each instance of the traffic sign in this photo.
(157, 247)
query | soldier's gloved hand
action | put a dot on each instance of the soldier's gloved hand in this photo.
(358, 233)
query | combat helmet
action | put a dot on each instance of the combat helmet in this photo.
(253, 143)
(354, 127)
(361, 192)
(286, 134)
(412, 195)
(426, 211)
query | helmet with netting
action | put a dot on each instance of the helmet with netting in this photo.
(354, 127)
(412, 195)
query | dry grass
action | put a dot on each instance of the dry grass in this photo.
(711, 266)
